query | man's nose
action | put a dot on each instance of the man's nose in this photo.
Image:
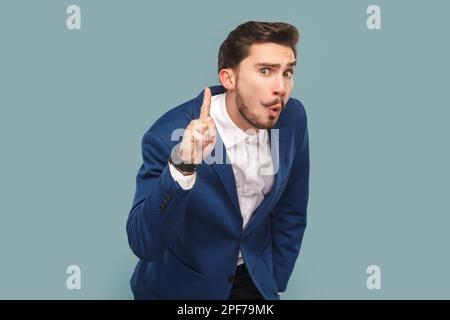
(279, 87)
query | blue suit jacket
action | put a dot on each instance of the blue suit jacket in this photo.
(188, 240)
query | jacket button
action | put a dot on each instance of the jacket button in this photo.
(167, 199)
(230, 279)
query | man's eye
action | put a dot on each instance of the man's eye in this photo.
(264, 71)
(289, 74)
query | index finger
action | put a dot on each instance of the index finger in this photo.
(206, 105)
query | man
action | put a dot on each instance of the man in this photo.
(230, 228)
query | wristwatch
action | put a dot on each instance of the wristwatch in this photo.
(178, 163)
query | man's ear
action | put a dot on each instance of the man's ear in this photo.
(227, 77)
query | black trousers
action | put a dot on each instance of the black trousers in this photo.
(243, 286)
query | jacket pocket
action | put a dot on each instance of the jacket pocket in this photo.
(171, 278)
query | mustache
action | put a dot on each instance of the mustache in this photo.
(274, 102)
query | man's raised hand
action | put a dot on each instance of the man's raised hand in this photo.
(200, 135)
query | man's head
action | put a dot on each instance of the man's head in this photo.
(256, 66)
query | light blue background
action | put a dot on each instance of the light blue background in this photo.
(75, 104)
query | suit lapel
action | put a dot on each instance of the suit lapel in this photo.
(220, 162)
(278, 150)
(225, 172)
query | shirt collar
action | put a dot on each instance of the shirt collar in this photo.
(230, 133)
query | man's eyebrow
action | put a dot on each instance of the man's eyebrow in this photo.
(275, 65)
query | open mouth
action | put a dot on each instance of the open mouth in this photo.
(275, 110)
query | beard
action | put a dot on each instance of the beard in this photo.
(250, 116)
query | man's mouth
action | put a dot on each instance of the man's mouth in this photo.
(275, 110)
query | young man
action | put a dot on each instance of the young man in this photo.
(228, 225)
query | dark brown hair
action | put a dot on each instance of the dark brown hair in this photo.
(236, 46)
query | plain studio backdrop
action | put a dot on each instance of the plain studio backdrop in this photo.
(74, 105)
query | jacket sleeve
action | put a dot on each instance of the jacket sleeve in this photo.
(289, 216)
(159, 204)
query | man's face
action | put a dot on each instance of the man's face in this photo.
(264, 82)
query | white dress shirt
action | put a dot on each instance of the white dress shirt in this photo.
(250, 157)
